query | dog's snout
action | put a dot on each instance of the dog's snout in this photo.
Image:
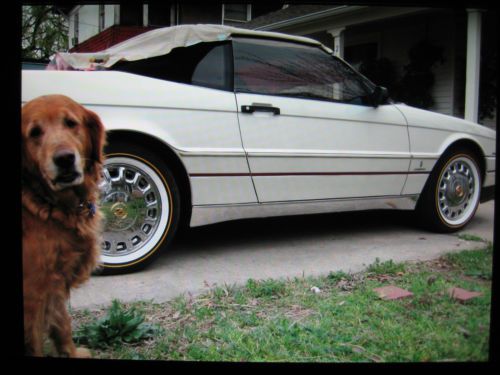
(64, 159)
(66, 169)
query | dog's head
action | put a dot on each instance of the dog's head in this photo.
(61, 141)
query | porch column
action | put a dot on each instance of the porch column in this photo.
(473, 65)
(338, 41)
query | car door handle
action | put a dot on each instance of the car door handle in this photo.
(260, 108)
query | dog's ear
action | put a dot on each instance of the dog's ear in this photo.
(97, 136)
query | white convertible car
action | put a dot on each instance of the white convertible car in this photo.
(208, 123)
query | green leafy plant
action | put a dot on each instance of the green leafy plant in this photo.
(414, 86)
(44, 31)
(117, 327)
(418, 79)
(383, 72)
(488, 83)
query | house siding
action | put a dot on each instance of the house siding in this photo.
(109, 16)
(88, 16)
(441, 32)
(71, 29)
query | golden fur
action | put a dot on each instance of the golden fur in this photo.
(60, 225)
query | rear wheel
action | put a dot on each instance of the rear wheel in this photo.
(451, 195)
(140, 205)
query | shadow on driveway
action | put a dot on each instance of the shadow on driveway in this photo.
(290, 228)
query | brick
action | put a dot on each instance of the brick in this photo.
(462, 295)
(391, 292)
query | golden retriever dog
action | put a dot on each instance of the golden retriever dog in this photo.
(62, 156)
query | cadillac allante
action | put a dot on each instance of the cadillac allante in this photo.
(208, 123)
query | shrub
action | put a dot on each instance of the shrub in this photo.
(117, 327)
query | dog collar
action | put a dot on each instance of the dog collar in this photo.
(90, 206)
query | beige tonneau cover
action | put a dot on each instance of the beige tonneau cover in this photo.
(160, 42)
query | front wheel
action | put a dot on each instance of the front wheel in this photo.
(451, 195)
(140, 205)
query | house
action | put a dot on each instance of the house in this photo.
(99, 26)
(464, 75)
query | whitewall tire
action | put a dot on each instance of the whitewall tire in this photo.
(140, 205)
(452, 193)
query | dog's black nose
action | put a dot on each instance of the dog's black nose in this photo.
(64, 159)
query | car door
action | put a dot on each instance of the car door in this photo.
(306, 129)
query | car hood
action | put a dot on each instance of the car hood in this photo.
(428, 119)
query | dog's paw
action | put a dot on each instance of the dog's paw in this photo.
(82, 353)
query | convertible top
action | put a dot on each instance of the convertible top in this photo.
(160, 42)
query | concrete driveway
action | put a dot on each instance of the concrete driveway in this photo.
(231, 253)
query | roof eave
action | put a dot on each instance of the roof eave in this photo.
(310, 17)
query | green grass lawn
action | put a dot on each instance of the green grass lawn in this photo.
(283, 320)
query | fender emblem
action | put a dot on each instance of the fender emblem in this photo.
(420, 167)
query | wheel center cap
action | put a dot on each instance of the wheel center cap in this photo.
(119, 210)
(457, 191)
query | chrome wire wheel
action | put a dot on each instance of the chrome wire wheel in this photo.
(135, 202)
(457, 190)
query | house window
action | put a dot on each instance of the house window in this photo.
(131, 14)
(159, 14)
(236, 13)
(75, 30)
(101, 17)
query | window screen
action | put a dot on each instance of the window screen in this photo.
(290, 69)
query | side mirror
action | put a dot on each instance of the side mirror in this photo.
(379, 96)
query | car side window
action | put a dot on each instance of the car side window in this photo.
(213, 70)
(272, 67)
(202, 64)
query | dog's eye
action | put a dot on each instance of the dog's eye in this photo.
(36, 132)
(70, 123)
